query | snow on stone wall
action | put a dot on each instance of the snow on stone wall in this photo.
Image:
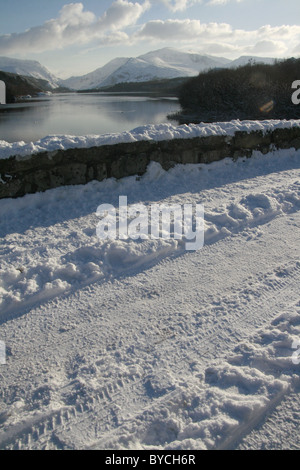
(64, 160)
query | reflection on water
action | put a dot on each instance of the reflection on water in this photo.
(81, 114)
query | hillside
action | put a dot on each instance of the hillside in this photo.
(166, 87)
(94, 79)
(246, 60)
(29, 68)
(161, 64)
(252, 91)
(18, 86)
(166, 63)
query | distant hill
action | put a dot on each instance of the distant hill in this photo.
(29, 68)
(94, 79)
(166, 87)
(167, 63)
(258, 91)
(251, 60)
(161, 64)
(18, 86)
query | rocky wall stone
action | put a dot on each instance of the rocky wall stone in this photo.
(37, 173)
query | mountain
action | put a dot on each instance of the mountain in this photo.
(165, 63)
(18, 86)
(188, 62)
(93, 79)
(245, 60)
(29, 68)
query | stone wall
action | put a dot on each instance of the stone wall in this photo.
(20, 176)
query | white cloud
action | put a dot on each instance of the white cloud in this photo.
(267, 47)
(77, 27)
(181, 5)
(278, 41)
(73, 15)
(222, 2)
(296, 49)
(183, 30)
(122, 14)
(74, 26)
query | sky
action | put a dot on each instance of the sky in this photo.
(77, 38)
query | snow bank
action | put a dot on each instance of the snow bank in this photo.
(42, 264)
(148, 132)
(192, 354)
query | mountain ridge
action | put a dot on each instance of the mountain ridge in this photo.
(31, 68)
(165, 63)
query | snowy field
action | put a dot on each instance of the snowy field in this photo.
(141, 344)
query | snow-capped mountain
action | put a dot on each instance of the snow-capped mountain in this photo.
(166, 63)
(31, 68)
(93, 79)
(163, 63)
(245, 59)
(185, 61)
(139, 70)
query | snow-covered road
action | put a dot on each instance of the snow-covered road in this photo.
(143, 345)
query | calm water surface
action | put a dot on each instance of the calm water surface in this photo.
(81, 114)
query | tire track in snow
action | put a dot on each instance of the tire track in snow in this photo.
(277, 368)
(39, 430)
(234, 219)
(53, 427)
(276, 432)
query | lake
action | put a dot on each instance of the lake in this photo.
(82, 114)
